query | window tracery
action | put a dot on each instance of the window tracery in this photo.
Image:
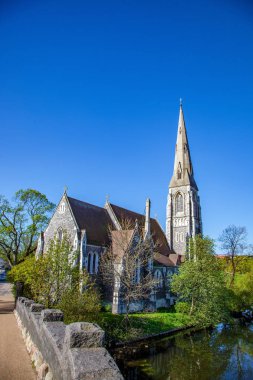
(179, 203)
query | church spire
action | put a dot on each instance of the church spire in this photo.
(183, 170)
(183, 213)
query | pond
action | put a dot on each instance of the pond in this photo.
(225, 352)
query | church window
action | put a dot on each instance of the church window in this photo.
(179, 203)
(177, 237)
(75, 245)
(95, 263)
(62, 208)
(159, 278)
(137, 272)
(182, 237)
(90, 263)
(60, 234)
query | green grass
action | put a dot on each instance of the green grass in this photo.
(140, 325)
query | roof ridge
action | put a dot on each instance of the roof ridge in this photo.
(123, 208)
(86, 203)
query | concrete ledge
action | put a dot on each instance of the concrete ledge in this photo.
(64, 352)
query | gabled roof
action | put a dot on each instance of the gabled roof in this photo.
(95, 220)
(120, 242)
(97, 223)
(157, 233)
(165, 260)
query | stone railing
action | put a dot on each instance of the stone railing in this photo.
(63, 352)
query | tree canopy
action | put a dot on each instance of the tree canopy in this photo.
(20, 223)
(201, 284)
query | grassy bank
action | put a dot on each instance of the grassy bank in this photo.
(140, 325)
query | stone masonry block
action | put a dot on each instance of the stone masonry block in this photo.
(22, 299)
(51, 315)
(36, 307)
(28, 303)
(83, 334)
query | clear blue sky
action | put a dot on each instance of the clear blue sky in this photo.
(89, 98)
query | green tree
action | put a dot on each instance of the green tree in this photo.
(201, 284)
(21, 222)
(243, 290)
(55, 271)
(54, 280)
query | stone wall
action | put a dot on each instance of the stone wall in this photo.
(64, 352)
(61, 220)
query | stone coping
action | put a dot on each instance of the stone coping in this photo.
(64, 352)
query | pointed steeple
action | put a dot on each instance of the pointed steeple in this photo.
(183, 170)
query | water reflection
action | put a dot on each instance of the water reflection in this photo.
(224, 353)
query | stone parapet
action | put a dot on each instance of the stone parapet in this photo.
(64, 352)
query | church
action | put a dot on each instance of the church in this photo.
(87, 226)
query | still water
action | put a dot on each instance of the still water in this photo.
(222, 353)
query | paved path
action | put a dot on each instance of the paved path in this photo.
(15, 363)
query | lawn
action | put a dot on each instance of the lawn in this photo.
(140, 325)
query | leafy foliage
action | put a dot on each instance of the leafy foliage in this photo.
(21, 222)
(55, 281)
(79, 306)
(201, 284)
(243, 290)
(25, 273)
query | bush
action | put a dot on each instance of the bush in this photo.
(78, 306)
(23, 272)
(107, 307)
(182, 307)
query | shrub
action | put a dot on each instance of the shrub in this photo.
(182, 307)
(106, 308)
(23, 272)
(78, 306)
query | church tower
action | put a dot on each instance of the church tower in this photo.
(183, 219)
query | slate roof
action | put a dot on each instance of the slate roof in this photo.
(95, 220)
(97, 223)
(156, 230)
(120, 242)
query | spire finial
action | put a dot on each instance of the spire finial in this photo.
(107, 198)
(65, 189)
(181, 102)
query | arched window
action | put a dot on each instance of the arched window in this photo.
(60, 234)
(95, 263)
(75, 245)
(159, 278)
(179, 203)
(62, 208)
(137, 271)
(90, 263)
